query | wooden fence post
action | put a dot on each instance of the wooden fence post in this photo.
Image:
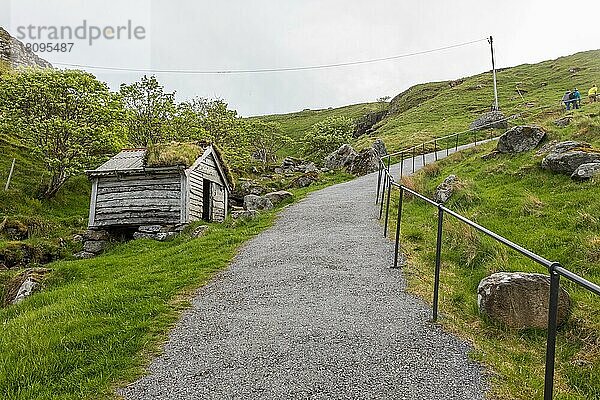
(12, 167)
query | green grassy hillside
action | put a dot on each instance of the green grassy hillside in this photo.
(430, 110)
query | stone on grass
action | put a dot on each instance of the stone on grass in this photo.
(254, 202)
(566, 157)
(519, 300)
(279, 196)
(199, 231)
(244, 214)
(23, 285)
(492, 119)
(84, 255)
(520, 139)
(305, 180)
(95, 246)
(562, 122)
(445, 189)
(586, 171)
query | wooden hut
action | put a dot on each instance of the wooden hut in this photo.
(128, 191)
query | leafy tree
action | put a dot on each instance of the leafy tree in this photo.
(383, 102)
(327, 136)
(224, 128)
(150, 111)
(266, 139)
(68, 118)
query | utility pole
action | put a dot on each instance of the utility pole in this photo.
(491, 42)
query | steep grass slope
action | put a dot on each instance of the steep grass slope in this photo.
(436, 109)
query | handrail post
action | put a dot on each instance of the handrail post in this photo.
(398, 223)
(413, 159)
(378, 182)
(423, 151)
(401, 164)
(448, 146)
(438, 255)
(435, 149)
(385, 179)
(552, 328)
(387, 208)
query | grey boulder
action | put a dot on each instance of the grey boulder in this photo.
(379, 147)
(492, 119)
(520, 139)
(566, 157)
(586, 171)
(279, 196)
(365, 162)
(445, 189)
(95, 246)
(244, 214)
(519, 300)
(254, 202)
(341, 158)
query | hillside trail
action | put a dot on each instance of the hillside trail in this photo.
(309, 309)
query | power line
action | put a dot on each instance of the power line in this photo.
(267, 70)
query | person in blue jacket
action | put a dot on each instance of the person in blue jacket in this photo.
(576, 98)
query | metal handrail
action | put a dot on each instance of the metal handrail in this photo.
(386, 183)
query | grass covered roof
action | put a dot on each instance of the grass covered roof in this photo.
(182, 154)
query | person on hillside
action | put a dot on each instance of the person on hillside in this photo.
(567, 99)
(576, 98)
(593, 94)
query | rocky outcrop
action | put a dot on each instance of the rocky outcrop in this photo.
(566, 157)
(14, 52)
(445, 189)
(23, 285)
(254, 202)
(365, 162)
(341, 158)
(362, 163)
(379, 148)
(586, 171)
(365, 124)
(492, 119)
(520, 139)
(519, 300)
(290, 165)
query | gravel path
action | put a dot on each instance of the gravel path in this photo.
(310, 309)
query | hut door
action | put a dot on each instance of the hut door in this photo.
(206, 200)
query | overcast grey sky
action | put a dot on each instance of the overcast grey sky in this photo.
(243, 34)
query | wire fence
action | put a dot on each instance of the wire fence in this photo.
(386, 184)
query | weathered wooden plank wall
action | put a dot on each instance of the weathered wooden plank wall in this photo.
(138, 199)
